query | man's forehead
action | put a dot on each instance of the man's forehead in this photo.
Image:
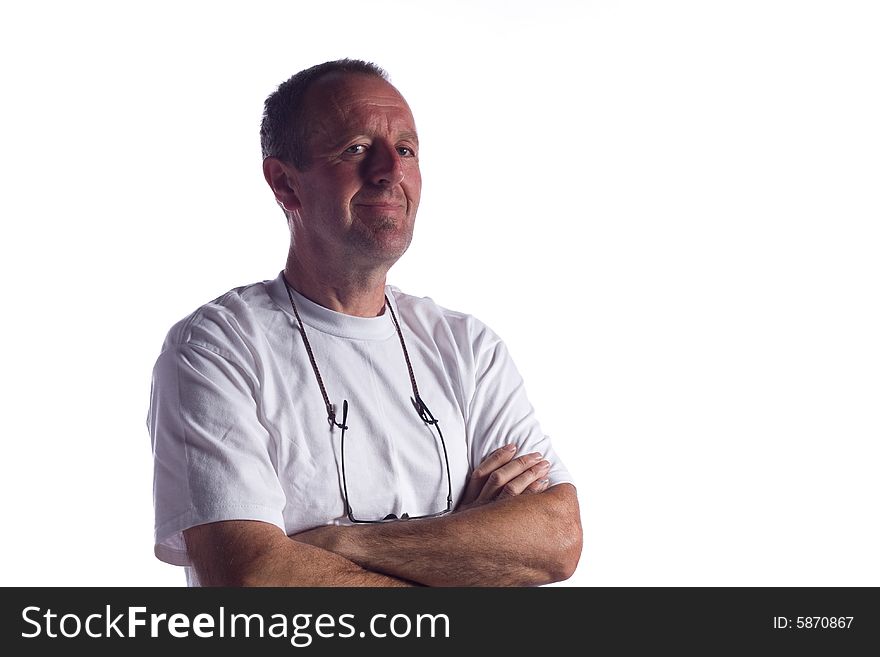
(343, 84)
(342, 97)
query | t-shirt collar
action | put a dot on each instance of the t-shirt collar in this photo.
(323, 319)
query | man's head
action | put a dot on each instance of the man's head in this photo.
(341, 155)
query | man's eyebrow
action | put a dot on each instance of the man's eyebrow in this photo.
(411, 136)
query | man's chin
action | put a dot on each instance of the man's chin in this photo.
(385, 246)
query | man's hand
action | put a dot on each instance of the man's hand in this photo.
(500, 475)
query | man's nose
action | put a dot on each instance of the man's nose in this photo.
(384, 166)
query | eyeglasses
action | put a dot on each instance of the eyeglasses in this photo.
(428, 418)
(421, 408)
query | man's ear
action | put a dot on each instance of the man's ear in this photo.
(280, 175)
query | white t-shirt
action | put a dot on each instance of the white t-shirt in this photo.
(240, 431)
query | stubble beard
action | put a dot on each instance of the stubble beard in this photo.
(383, 240)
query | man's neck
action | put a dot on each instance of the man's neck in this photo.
(361, 294)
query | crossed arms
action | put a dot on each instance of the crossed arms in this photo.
(509, 530)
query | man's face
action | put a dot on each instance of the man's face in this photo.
(359, 191)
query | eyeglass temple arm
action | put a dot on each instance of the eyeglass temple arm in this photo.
(428, 418)
(331, 415)
(343, 426)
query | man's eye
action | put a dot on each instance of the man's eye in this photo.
(356, 149)
(405, 152)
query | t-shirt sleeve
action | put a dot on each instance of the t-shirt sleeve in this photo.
(213, 459)
(500, 412)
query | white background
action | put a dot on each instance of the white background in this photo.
(669, 211)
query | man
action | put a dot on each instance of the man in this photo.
(323, 428)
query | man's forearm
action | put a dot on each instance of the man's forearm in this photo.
(248, 553)
(317, 567)
(520, 541)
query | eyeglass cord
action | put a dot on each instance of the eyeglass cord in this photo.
(421, 408)
(331, 412)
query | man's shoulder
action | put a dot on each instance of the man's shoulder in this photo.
(425, 311)
(214, 323)
(412, 305)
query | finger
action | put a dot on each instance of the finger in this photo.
(534, 476)
(500, 477)
(495, 460)
(538, 486)
(477, 480)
